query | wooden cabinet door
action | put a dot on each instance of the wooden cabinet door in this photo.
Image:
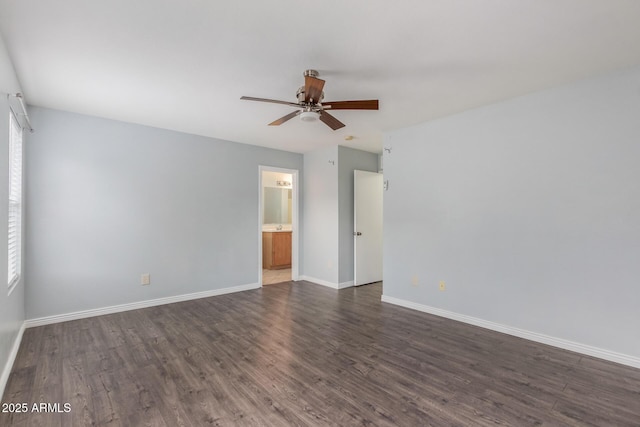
(281, 249)
(267, 251)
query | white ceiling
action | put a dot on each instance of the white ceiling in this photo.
(183, 65)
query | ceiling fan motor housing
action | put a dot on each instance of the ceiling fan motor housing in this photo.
(300, 96)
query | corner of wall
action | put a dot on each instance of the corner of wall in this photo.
(12, 310)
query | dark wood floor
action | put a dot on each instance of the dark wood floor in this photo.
(302, 354)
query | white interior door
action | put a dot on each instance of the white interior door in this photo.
(367, 227)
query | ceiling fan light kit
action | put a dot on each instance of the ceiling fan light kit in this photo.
(309, 116)
(310, 97)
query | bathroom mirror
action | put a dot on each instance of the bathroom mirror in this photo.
(277, 205)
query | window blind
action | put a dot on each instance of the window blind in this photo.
(15, 201)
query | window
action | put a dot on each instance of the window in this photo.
(15, 202)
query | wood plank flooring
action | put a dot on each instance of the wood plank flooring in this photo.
(302, 354)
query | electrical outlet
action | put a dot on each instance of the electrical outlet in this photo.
(443, 285)
(145, 279)
(414, 281)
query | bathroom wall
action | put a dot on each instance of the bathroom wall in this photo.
(277, 200)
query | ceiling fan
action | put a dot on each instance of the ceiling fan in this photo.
(311, 107)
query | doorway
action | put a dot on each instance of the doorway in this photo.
(367, 225)
(278, 230)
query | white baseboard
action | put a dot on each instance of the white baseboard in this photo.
(348, 284)
(521, 333)
(135, 305)
(326, 283)
(320, 282)
(4, 377)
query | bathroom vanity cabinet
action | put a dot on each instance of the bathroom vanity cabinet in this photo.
(276, 250)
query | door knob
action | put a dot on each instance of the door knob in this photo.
(357, 233)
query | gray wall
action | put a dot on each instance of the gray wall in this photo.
(328, 207)
(11, 306)
(348, 161)
(321, 215)
(528, 209)
(109, 201)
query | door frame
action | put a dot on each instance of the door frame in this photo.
(295, 227)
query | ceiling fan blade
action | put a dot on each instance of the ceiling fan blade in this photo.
(371, 104)
(273, 101)
(313, 89)
(330, 121)
(283, 119)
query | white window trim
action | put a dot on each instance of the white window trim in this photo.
(14, 222)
